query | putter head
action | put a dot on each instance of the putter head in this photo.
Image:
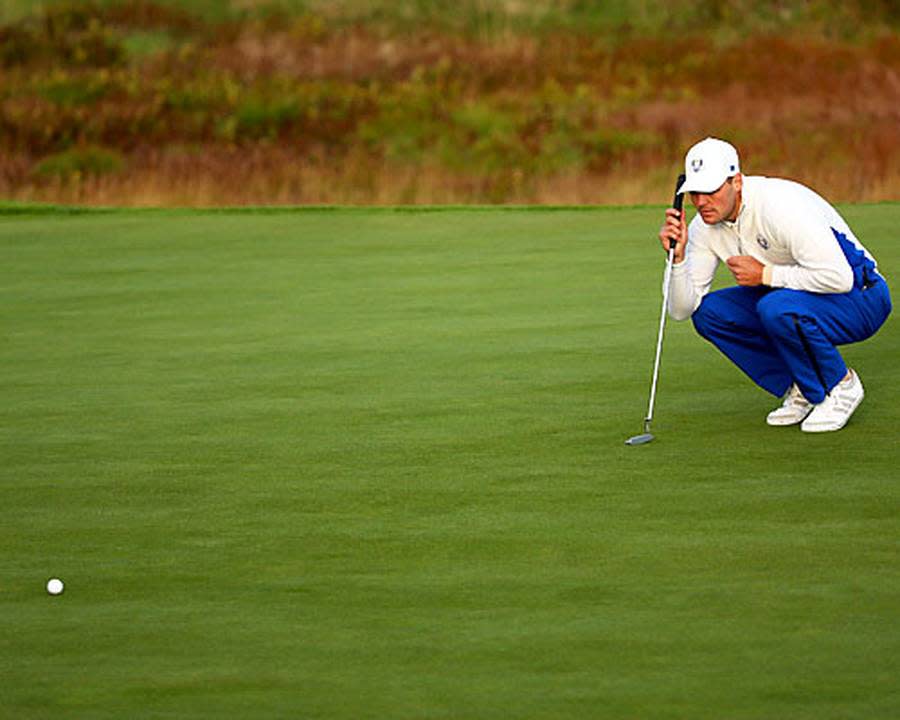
(641, 439)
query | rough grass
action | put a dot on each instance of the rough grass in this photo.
(489, 17)
(335, 103)
(358, 463)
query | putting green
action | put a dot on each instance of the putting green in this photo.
(371, 463)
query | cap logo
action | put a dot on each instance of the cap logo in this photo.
(696, 164)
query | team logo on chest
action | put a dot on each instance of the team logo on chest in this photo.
(763, 243)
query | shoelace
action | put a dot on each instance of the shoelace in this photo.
(842, 401)
(795, 398)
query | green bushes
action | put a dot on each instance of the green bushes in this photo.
(79, 162)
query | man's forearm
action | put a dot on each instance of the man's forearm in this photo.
(683, 297)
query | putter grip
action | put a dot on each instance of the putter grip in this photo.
(678, 202)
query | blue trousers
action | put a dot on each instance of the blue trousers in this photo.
(778, 336)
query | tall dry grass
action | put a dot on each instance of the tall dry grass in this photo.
(293, 111)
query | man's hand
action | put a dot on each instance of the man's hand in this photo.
(674, 228)
(746, 270)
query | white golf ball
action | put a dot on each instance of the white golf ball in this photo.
(55, 586)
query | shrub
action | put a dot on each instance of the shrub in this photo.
(72, 33)
(70, 90)
(76, 163)
(256, 118)
(17, 46)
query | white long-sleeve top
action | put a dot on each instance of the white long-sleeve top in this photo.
(785, 226)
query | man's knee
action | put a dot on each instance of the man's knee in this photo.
(709, 314)
(778, 310)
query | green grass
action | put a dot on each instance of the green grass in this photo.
(370, 464)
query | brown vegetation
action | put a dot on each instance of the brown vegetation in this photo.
(292, 110)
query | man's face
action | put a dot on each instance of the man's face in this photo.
(723, 204)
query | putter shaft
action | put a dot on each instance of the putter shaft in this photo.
(659, 340)
(646, 437)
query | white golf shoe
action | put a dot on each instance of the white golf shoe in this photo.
(837, 407)
(793, 410)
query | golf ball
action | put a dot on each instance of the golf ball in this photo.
(55, 586)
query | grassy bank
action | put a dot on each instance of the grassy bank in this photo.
(155, 103)
(346, 464)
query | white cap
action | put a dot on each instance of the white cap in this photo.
(709, 164)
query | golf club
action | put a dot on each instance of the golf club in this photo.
(647, 436)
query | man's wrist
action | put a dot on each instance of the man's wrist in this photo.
(767, 275)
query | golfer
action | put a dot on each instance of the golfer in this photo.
(805, 285)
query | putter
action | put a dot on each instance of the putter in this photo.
(647, 436)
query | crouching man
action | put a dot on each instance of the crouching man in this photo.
(805, 285)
